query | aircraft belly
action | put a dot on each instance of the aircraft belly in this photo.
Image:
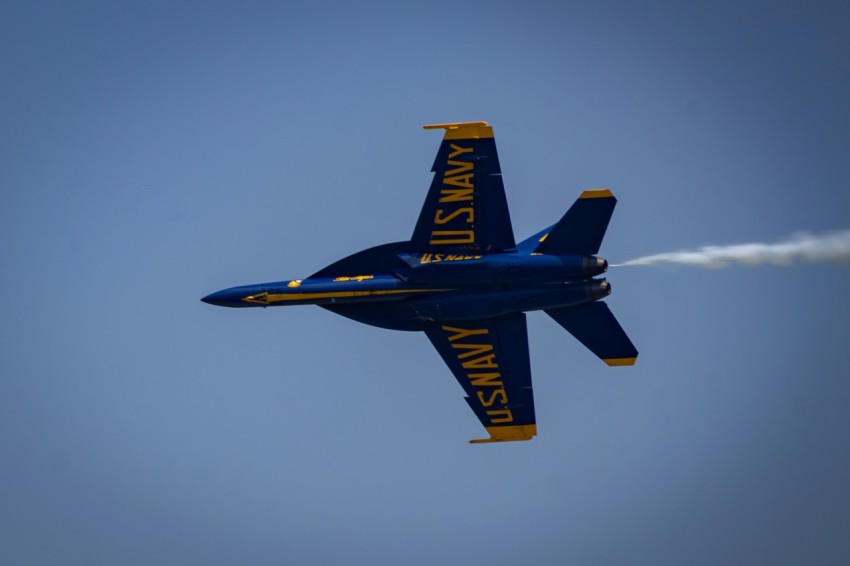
(501, 268)
(498, 303)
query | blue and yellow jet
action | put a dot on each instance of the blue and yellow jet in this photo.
(465, 282)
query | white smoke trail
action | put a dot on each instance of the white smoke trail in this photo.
(828, 247)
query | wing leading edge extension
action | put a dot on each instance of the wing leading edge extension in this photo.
(466, 206)
(489, 358)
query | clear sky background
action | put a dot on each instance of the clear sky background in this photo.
(153, 153)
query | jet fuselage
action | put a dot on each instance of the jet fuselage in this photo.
(442, 287)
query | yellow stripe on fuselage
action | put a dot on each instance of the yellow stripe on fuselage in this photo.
(284, 297)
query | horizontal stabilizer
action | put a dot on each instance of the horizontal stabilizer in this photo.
(582, 228)
(594, 325)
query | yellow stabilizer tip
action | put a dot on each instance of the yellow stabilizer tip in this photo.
(620, 361)
(463, 130)
(597, 193)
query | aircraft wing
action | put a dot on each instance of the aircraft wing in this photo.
(466, 205)
(489, 358)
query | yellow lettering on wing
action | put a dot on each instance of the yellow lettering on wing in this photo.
(492, 398)
(476, 356)
(462, 167)
(481, 363)
(461, 333)
(455, 195)
(464, 181)
(457, 150)
(485, 379)
(505, 416)
(475, 349)
(439, 237)
(440, 219)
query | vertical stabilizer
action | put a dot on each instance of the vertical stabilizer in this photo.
(582, 228)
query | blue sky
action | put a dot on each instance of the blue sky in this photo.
(154, 153)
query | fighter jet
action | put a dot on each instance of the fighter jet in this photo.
(463, 281)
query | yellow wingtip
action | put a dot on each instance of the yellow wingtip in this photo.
(453, 125)
(620, 361)
(507, 434)
(463, 130)
(596, 193)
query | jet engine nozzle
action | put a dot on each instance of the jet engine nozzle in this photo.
(598, 289)
(592, 266)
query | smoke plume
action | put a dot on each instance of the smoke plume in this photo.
(828, 247)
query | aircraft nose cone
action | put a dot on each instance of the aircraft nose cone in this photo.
(235, 297)
(219, 298)
(227, 298)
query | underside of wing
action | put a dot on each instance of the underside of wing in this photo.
(466, 206)
(489, 358)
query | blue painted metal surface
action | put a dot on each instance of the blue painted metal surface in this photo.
(463, 281)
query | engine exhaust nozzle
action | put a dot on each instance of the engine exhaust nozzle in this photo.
(598, 289)
(593, 266)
